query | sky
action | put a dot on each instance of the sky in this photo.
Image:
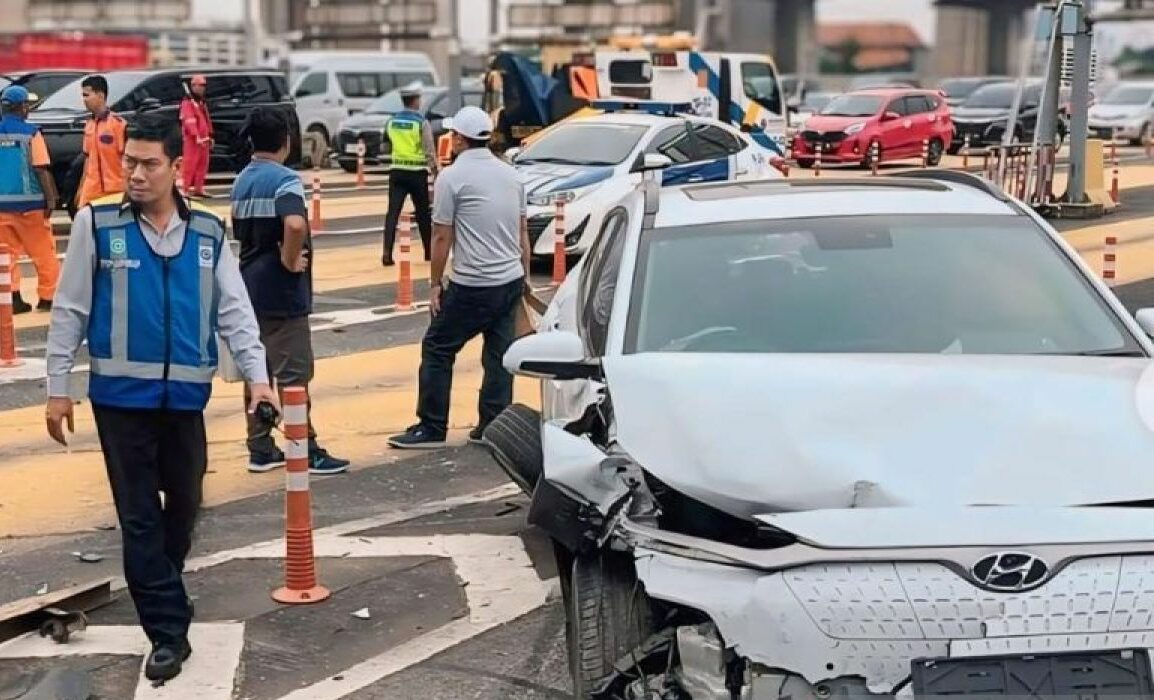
(474, 13)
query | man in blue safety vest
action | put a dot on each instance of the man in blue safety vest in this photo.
(149, 281)
(413, 158)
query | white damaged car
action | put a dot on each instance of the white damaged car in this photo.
(831, 438)
(592, 162)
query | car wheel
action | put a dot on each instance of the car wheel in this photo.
(934, 155)
(609, 616)
(315, 149)
(805, 162)
(514, 438)
(348, 166)
(955, 147)
(1143, 136)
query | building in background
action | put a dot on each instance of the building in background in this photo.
(14, 17)
(870, 47)
(96, 15)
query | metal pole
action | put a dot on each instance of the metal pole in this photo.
(454, 57)
(1079, 103)
(252, 32)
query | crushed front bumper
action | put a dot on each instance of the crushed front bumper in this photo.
(827, 622)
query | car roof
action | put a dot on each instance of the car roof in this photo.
(809, 198)
(640, 119)
(891, 91)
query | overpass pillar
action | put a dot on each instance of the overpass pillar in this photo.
(794, 33)
(976, 37)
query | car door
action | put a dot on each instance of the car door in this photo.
(318, 104)
(924, 118)
(897, 134)
(229, 98)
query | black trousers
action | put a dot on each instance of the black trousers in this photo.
(467, 312)
(414, 184)
(149, 452)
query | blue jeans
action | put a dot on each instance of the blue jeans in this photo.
(467, 312)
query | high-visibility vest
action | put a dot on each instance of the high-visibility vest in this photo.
(152, 330)
(445, 149)
(20, 189)
(104, 141)
(406, 131)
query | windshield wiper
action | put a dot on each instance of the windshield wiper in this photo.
(1104, 353)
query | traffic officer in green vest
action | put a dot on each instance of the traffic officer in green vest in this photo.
(414, 157)
(149, 281)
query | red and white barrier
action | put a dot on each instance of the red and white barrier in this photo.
(405, 264)
(1110, 260)
(8, 357)
(559, 243)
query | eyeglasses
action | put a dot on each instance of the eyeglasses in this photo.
(150, 165)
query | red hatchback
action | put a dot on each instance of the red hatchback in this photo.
(896, 119)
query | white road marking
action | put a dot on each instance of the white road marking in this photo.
(209, 674)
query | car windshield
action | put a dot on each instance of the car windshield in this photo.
(585, 144)
(761, 85)
(960, 87)
(968, 284)
(1001, 96)
(68, 97)
(1134, 95)
(853, 106)
(816, 101)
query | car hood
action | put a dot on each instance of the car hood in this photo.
(755, 434)
(543, 178)
(1116, 111)
(56, 116)
(980, 114)
(366, 122)
(822, 122)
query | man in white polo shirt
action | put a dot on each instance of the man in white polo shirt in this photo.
(479, 216)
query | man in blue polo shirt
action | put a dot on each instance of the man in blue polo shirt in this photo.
(270, 220)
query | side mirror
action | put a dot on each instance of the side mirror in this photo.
(1145, 318)
(511, 154)
(148, 104)
(552, 355)
(651, 161)
(891, 116)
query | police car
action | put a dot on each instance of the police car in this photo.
(590, 163)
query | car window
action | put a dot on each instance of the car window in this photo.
(363, 84)
(853, 106)
(438, 105)
(910, 106)
(313, 84)
(45, 85)
(166, 88)
(119, 86)
(242, 88)
(277, 85)
(761, 86)
(715, 142)
(966, 284)
(599, 282)
(473, 99)
(673, 142)
(630, 72)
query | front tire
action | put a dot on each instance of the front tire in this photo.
(514, 438)
(934, 155)
(1144, 136)
(608, 616)
(806, 163)
(315, 147)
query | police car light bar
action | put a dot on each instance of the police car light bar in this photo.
(667, 109)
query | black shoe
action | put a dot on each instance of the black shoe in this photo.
(321, 463)
(166, 660)
(476, 435)
(44, 305)
(265, 460)
(387, 261)
(191, 607)
(19, 306)
(417, 437)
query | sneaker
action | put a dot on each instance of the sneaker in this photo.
(417, 437)
(265, 460)
(321, 462)
(44, 305)
(167, 660)
(19, 306)
(476, 435)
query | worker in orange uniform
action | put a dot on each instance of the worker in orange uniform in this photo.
(27, 197)
(196, 125)
(104, 136)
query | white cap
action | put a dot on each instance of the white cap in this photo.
(470, 122)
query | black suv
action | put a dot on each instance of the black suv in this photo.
(42, 83)
(232, 92)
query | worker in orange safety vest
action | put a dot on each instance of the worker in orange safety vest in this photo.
(104, 137)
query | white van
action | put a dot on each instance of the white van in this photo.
(330, 85)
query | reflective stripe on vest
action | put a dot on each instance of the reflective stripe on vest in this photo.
(406, 134)
(19, 186)
(139, 292)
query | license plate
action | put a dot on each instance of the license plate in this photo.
(1087, 674)
(351, 148)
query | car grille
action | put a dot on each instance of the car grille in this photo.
(928, 601)
(829, 138)
(372, 139)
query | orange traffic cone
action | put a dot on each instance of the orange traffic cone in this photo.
(301, 585)
(315, 222)
(404, 264)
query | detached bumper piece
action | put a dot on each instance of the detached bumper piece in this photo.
(1051, 676)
